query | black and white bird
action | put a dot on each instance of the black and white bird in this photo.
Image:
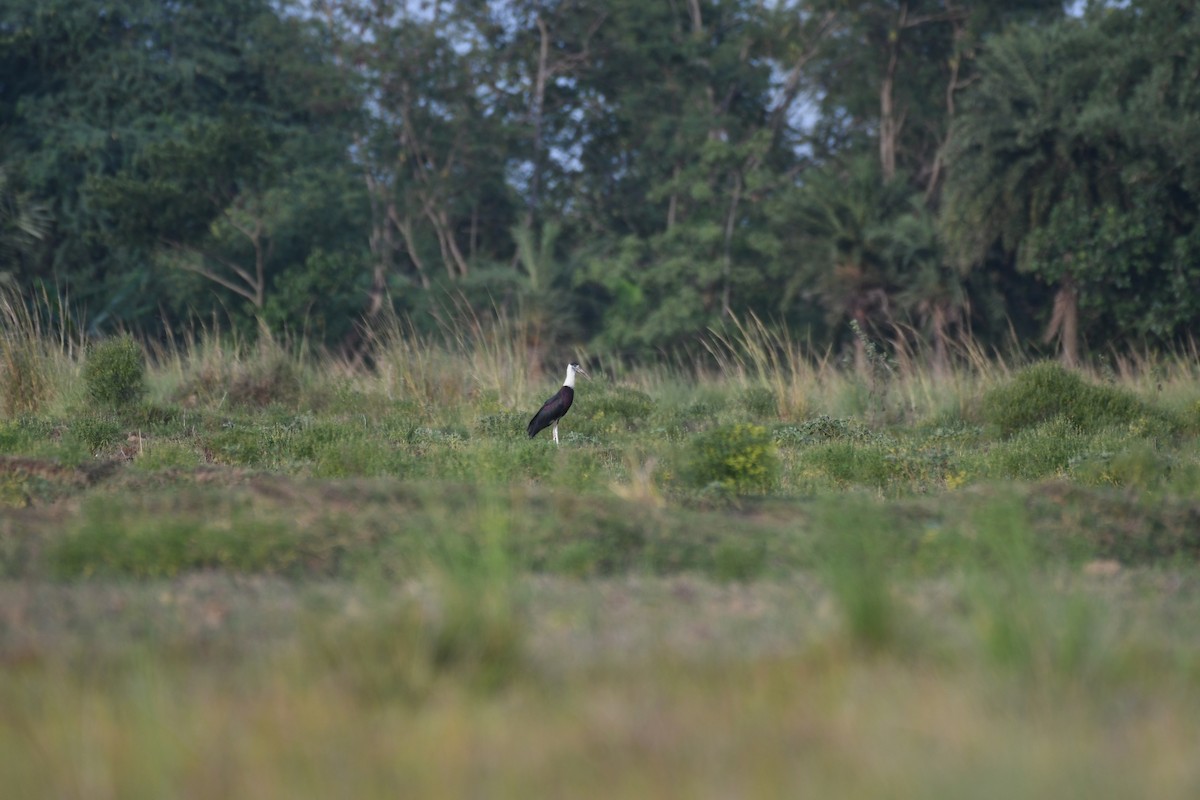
(556, 407)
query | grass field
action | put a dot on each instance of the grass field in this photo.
(278, 574)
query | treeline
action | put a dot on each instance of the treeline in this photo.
(620, 173)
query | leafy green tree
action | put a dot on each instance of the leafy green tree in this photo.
(436, 141)
(153, 128)
(23, 224)
(688, 140)
(1069, 159)
(891, 77)
(867, 251)
(1024, 147)
(888, 85)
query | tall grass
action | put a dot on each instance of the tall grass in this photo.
(208, 366)
(37, 358)
(752, 354)
(474, 353)
(901, 383)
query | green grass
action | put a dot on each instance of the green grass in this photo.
(278, 574)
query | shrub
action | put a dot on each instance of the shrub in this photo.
(271, 379)
(95, 432)
(1046, 390)
(165, 455)
(1039, 452)
(503, 424)
(115, 372)
(848, 464)
(627, 405)
(266, 376)
(822, 429)
(741, 458)
(760, 401)
(609, 411)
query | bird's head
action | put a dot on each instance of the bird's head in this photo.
(573, 369)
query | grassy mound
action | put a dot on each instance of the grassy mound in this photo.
(1044, 391)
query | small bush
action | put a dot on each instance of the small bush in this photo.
(1043, 451)
(95, 432)
(822, 429)
(1045, 391)
(266, 377)
(166, 455)
(273, 379)
(760, 401)
(627, 405)
(504, 424)
(742, 458)
(115, 372)
(847, 464)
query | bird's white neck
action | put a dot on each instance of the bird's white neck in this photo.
(570, 380)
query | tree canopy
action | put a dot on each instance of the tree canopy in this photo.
(616, 173)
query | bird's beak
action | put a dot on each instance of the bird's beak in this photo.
(584, 374)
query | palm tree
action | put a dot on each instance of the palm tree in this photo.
(933, 291)
(869, 248)
(1024, 146)
(23, 223)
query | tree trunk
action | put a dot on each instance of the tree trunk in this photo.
(890, 122)
(1064, 322)
(727, 256)
(537, 105)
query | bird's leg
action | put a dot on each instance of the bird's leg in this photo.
(556, 433)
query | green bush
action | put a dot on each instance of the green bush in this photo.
(115, 372)
(1044, 391)
(95, 431)
(165, 455)
(760, 402)
(847, 464)
(822, 429)
(1044, 451)
(627, 405)
(503, 424)
(741, 458)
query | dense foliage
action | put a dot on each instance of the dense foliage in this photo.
(618, 174)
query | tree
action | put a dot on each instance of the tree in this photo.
(435, 145)
(866, 251)
(148, 126)
(23, 224)
(1070, 158)
(1022, 149)
(891, 76)
(688, 135)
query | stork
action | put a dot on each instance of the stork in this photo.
(556, 407)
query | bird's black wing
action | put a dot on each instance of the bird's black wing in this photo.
(551, 410)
